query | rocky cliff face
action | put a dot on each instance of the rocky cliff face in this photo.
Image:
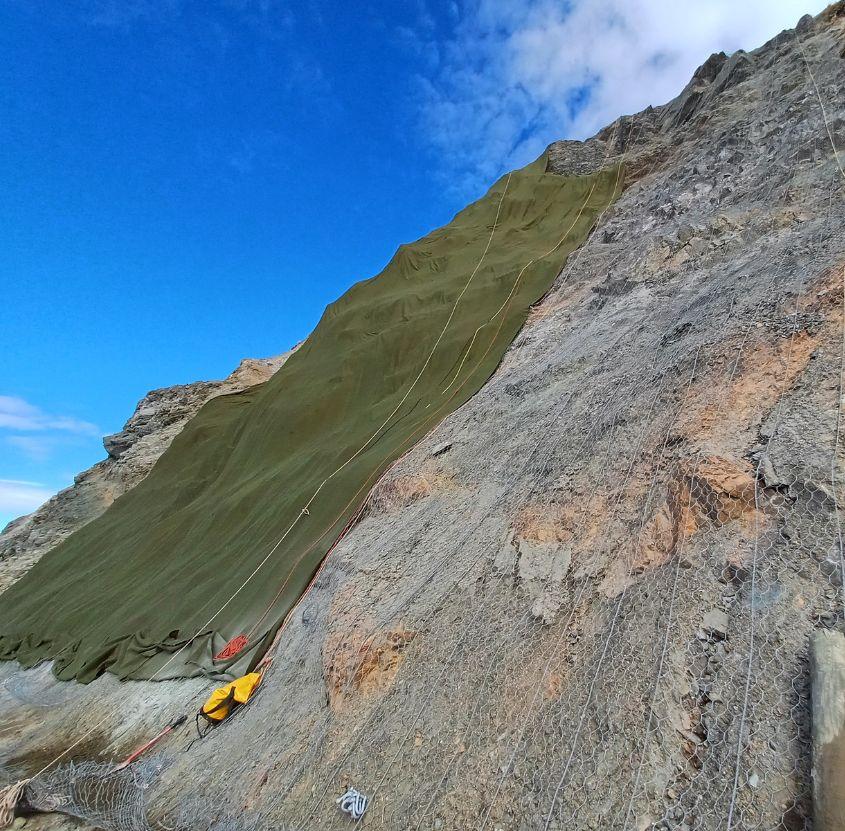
(132, 452)
(584, 601)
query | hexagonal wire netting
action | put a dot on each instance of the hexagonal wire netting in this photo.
(656, 677)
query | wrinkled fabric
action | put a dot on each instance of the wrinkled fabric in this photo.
(126, 592)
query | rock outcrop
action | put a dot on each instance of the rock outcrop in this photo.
(158, 418)
(584, 601)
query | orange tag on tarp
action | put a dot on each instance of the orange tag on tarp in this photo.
(232, 648)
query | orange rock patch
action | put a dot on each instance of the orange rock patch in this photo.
(710, 491)
(365, 664)
(724, 409)
(553, 686)
(397, 492)
(722, 412)
(720, 490)
(581, 520)
(544, 523)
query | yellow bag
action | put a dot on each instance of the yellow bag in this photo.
(221, 702)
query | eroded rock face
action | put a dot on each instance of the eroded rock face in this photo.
(158, 418)
(584, 601)
(363, 662)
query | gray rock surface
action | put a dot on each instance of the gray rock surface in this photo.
(619, 446)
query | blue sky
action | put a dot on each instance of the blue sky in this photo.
(189, 183)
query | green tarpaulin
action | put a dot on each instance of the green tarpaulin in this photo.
(129, 589)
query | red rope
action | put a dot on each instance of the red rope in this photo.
(232, 648)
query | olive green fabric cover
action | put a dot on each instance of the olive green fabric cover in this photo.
(125, 592)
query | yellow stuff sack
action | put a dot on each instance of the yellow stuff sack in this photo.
(223, 699)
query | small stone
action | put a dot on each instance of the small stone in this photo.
(754, 780)
(442, 448)
(715, 624)
(690, 560)
(19, 822)
(768, 472)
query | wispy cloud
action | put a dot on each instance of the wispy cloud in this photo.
(21, 497)
(37, 448)
(519, 74)
(19, 415)
(34, 433)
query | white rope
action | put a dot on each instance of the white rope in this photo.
(447, 662)
(751, 644)
(651, 709)
(305, 509)
(575, 605)
(600, 664)
(838, 432)
(460, 580)
(501, 307)
(302, 824)
(353, 803)
(618, 605)
(575, 260)
(821, 103)
(553, 429)
(528, 265)
(755, 557)
(527, 711)
(665, 643)
(835, 455)
(570, 265)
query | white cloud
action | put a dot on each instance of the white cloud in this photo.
(511, 72)
(19, 415)
(21, 497)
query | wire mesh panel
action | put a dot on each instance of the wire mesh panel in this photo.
(627, 649)
(597, 616)
(98, 793)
